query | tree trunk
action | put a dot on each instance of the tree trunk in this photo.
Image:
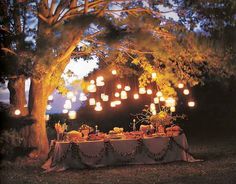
(37, 138)
(16, 88)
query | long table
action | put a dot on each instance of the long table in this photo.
(92, 154)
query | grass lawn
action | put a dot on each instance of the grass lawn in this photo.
(219, 167)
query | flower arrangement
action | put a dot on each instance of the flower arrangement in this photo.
(162, 118)
(85, 127)
(60, 128)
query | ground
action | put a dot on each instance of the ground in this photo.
(219, 166)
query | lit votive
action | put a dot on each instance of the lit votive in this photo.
(114, 72)
(127, 88)
(186, 91)
(117, 94)
(159, 93)
(17, 112)
(119, 86)
(180, 85)
(136, 96)
(149, 91)
(191, 103)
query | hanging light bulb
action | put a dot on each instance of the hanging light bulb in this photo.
(159, 93)
(117, 94)
(170, 102)
(149, 91)
(114, 72)
(154, 75)
(92, 101)
(119, 86)
(136, 96)
(50, 97)
(123, 95)
(142, 90)
(162, 99)
(64, 111)
(186, 91)
(191, 103)
(72, 114)
(127, 88)
(17, 112)
(69, 94)
(172, 109)
(180, 85)
(156, 100)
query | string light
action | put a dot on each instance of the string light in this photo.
(142, 90)
(154, 112)
(47, 117)
(92, 82)
(92, 101)
(127, 88)
(72, 114)
(154, 75)
(102, 95)
(180, 85)
(186, 91)
(136, 96)
(100, 83)
(67, 104)
(159, 93)
(98, 108)
(117, 102)
(152, 107)
(119, 86)
(149, 91)
(191, 103)
(92, 88)
(114, 72)
(117, 94)
(17, 112)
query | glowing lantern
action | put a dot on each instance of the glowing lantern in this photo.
(105, 98)
(180, 85)
(98, 108)
(98, 103)
(119, 86)
(113, 72)
(136, 96)
(142, 90)
(123, 95)
(70, 95)
(64, 111)
(117, 94)
(17, 112)
(154, 75)
(186, 91)
(102, 95)
(67, 104)
(162, 99)
(99, 79)
(113, 104)
(117, 102)
(159, 94)
(149, 91)
(49, 107)
(72, 114)
(152, 106)
(82, 97)
(127, 88)
(92, 101)
(170, 102)
(50, 97)
(191, 103)
(47, 117)
(172, 109)
(73, 99)
(154, 112)
(92, 88)
(156, 100)
(101, 83)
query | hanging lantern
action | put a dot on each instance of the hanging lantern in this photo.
(180, 85)
(152, 106)
(117, 102)
(82, 97)
(50, 97)
(154, 75)
(191, 103)
(92, 82)
(72, 114)
(49, 107)
(119, 86)
(69, 94)
(64, 111)
(102, 95)
(172, 109)
(114, 72)
(73, 99)
(92, 88)
(67, 104)
(47, 117)
(105, 98)
(186, 91)
(162, 99)
(136, 96)
(159, 93)
(154, 112)
(92, 101)
(117, 94)
(123, 95)
(127, 88)
(170, 102)
(17, 112)
(149, 91)
(142, 90)
(156, 100)
(98, 108)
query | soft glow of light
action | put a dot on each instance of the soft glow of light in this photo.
(172, 109)
(113, 104)
(119, 86)
(67, 104)
(49, 107)
(186, 91)
(159, 94)
(170, 102)
(180, 85)
(73, 99)
(142, 90)
(156, 100)
(114, 72)
(103, 95)
(154, 75)
(92, 88)
(154, 112)
(98, 108)
(92, 82)
(47, 117)
(136, 96)
(69, 94)
(99, 78)
(127, 88)
(105, 98)
(92, 101)
(17, 112)
(98, 103)
(149, 91)
(117, 102)
(162, 99)
(191, 103)
(152, 106)
(100, 83)
(72, 114)
(64, 111)
(117, 94)
(123, 95)
(82, 97)
(50, 97)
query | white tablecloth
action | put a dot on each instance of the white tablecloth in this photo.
(64, 155)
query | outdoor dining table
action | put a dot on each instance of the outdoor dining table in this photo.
(93, 154)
